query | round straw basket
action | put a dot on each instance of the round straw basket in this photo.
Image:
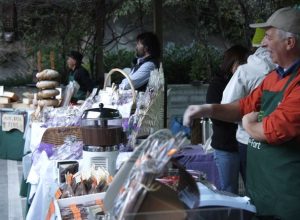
(57, 135)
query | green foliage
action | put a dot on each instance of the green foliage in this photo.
(17, 80)
(185, 64)
(182, 64)
(131, 7)
(205, 63)
(64, 25)
(177, 62)
(59, 28)
(117, 59)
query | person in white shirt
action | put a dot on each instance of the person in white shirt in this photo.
(147, 59)
(246, 78)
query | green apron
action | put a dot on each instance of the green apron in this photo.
(79, 95)
(273, 171)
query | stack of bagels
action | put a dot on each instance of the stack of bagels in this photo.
(47, 82)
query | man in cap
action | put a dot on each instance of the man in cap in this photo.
(271, 116)
(79, 74)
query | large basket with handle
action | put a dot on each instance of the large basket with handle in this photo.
(125, 75)
(116, 70)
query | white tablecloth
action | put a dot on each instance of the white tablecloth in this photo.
(33, 135)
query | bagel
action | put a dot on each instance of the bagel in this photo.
(47, 74)
(48, 93)
(48, 102)
(47, 84)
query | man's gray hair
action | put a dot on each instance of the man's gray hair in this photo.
(284, 35)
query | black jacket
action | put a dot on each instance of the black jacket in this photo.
(224, 133)
(81, 75)
(137, 66)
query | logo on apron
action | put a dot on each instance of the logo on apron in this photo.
(253, 143)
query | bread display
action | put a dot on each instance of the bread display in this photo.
(48, 102)
(47, 82)
(47, 74)
(48, 93)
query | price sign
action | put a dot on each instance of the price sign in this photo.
(11, 121)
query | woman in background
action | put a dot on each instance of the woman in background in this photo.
(223, 138)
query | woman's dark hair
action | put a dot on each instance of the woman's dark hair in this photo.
(150, 40)
(76, 56)
(235, 54)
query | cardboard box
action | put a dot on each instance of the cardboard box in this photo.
(62, 203)
(160, 205)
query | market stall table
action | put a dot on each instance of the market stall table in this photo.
(193, 157)
(212, 205)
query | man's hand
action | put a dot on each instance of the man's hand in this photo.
(195, 111)
(250, 118)
(253, 127)
(224, 112)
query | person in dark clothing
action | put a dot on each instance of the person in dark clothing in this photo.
(147, 59)
(79, 74)
(223, 138)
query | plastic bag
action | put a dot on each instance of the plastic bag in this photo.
(177, 126)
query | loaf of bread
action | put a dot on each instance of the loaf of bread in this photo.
(47, 84)
(47, 74)
(48, 93)
(27, 101)
(48, 102)
(11, 95)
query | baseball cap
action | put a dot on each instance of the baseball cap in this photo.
(286, 19)
(76, 56)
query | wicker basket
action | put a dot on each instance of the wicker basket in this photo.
(57, 135)
(133, 107)
(127, 77)
(151, 118)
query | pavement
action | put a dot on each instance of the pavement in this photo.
(12, 206)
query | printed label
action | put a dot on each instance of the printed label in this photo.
(255, 144)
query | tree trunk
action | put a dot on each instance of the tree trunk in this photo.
(215, 8)
(247, 21)
(100, 26)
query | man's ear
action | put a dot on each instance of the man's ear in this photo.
(291, 43)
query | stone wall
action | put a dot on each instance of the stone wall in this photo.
(180, 96)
